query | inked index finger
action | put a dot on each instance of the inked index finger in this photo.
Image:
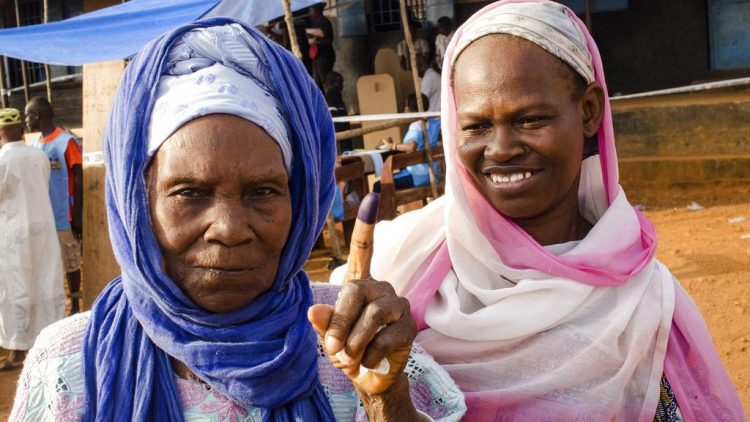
(361, 248)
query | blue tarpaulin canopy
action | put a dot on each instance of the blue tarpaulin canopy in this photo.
(120, 31)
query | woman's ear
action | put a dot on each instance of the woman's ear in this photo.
(592, 104)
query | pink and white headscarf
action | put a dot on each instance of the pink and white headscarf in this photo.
(579, 331)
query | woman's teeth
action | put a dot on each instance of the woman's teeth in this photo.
(499, 178)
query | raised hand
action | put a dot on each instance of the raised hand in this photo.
(369, 333)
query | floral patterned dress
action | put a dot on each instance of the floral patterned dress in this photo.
(51, 386)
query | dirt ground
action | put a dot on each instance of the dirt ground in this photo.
(704, 250)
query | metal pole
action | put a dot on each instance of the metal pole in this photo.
(289, 19)
(23, 63)
(418, 93)
(2, 82)
(47, 73)
(353, 133)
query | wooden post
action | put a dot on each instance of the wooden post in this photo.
(418, 94)
(100, 82)
(47, 73)
(587, 5)
(289, 19)
(23, 63)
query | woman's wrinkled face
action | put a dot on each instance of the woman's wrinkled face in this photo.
(221, 210)
(521, 126)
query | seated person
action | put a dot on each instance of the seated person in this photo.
(220, 159)
(416, 175)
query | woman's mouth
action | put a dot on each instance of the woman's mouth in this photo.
(219, 271)
(508, 178)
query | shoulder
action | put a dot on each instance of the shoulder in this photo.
(432, 74)
(34, 152)
(65, 134)
(36, 140)
(51, 383)
(64, 336)
(415, 125)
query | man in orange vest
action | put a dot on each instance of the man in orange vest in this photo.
(65, 188)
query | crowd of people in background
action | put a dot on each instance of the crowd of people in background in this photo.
(315, 39)
(34, 296)
(41, 219)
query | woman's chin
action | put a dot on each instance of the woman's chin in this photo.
(226, 291)
(222, 304)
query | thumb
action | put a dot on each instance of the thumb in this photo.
(320, 316)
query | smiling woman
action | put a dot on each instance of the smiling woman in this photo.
(533, 280)
(522, 144)
(220, 157)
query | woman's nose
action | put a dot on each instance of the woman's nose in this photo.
(504, 144)
(229, 223)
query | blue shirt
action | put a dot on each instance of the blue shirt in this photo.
(420, 172)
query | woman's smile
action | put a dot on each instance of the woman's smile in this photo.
(520, 134)
(515, 178)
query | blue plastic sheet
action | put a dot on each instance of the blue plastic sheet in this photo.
(120, 31)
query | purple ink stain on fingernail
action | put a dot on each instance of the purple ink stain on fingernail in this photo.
(368, 209)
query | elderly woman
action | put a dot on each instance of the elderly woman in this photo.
(220, 160)
(533, 280)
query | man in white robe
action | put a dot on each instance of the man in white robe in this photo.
(31, 289)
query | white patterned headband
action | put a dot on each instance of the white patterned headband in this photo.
(548, 25)
(202, 78)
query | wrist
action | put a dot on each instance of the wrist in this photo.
(394, 404)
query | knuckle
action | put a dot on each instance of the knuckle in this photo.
(354, 344)
(405, 305)
(412, 328)
(386, 287)
(371, 358)
(375, 313)
(382, 345)
(339, 322)
(351, 288)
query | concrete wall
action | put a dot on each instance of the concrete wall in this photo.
(654, 44)
(689, 129)
(66, 98)
(687, 138)
(353, 59)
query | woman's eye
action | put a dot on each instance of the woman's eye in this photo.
(189, 193)
(531, 122)
(475, 127)
(262, 192)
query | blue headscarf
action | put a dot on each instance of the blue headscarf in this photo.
(264, 355)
